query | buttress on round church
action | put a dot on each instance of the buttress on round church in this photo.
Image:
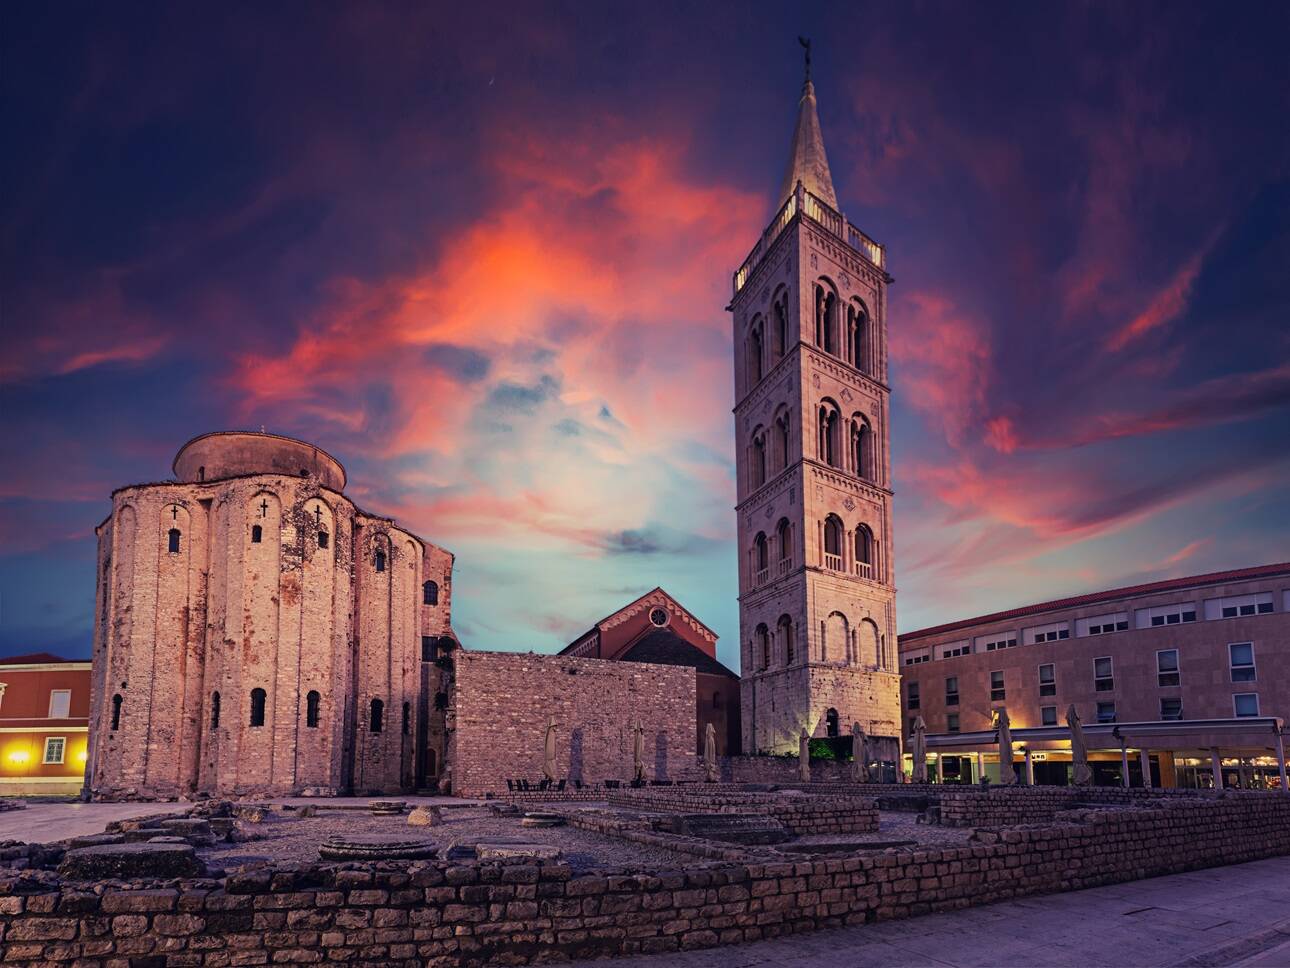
(257, 631)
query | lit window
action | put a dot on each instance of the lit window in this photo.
(1171, 708)
(952, 691)
(997, 692)
(1245, 704)
(1103, 675)
(911, 691)
(1106, 712)
(55, 746)
(1167, 667)
(258, 697)
(1048, 715)
(1241, 656)
(1048, 679)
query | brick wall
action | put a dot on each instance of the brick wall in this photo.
(471, 914)
(501, 701)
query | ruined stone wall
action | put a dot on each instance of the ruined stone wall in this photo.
(273, 587)
(501, 701)
(472, 914)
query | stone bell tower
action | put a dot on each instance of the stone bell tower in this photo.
(817, 603)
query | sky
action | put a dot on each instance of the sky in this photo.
(482, 256)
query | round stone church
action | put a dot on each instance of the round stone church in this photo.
(258, 632)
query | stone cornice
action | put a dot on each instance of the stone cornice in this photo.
(845, 256)
(842, 370)
(771, 489)
(831, 475)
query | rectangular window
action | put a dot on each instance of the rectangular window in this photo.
(1167, 667)
(911, 696)
(1103, 677)
(1245, 704)
(997, 691)
(1241, 657)
(1106, 712)
(952, 691)
(995, 645)
(55, 746)
(952, 723)
(1171, 708)
(1166, 615)
(1048, 679)
(1265, 608)
(60, 703)
(1048, 715)
(1260, 603)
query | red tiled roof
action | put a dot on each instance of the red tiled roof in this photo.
(32, 658)
(1112, 594)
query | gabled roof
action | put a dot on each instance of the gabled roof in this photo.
(1110, 595)
(36, 658)
(621, 614)
(665, 647)
(807, 162)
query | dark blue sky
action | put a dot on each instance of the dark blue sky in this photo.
(483, 258)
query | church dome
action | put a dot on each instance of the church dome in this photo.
(237, 453)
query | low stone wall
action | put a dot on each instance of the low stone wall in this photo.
(436, 913)
(997, 806)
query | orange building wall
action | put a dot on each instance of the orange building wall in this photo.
(25, 725)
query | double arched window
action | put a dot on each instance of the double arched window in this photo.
(829, 434)
(430, 593)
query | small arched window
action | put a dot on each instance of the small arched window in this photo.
(380, 561)
(313, 702)
(833, 542)
(861, 447)
(829, 434)
(785, 627)
(215, 709)
(826, 318)
(323, 539)
(257, 534)
(858, 336)
(780, 312)
(865, 552)
(378, 716)
(831, 722)
(258, 696)
(201, 473)
(761, 555)
(755, 351)
(407, 718)
(116, 711)
(430, 593)
(173, 537)
(761, 639)
(757, 458)
(784, 538)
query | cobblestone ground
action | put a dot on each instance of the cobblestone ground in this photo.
(1224, 916)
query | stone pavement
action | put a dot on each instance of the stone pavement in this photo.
(46, 821)
(1221, 916)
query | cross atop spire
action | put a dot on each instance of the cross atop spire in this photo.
(807, 162)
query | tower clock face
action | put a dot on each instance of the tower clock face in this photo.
(659, 617)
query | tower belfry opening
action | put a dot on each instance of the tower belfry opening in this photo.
(818, 630)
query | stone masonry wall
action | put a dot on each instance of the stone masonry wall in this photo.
(434, 913)
(501, 702)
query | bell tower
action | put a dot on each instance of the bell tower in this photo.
(817, 603)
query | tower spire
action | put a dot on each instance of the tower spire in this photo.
(807, 162)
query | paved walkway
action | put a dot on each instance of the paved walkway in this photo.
(1223, 916)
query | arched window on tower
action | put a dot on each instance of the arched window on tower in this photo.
(779, 313)
(173, 541)
(865, 552)
(257, 534)
(380, 561)
(116, 711)
(376, 721)
(785, 633)
(761, 642)
(215, 709)
(781, 441)
(755, 351)
(757, 458)
(313, 704)
(829, 434)
(784, 539)
(831, 722)
(858, 335)
(258, 697)
(833, 532)
(430, 593)
(826, 317)
(861, 456)
(761, 559)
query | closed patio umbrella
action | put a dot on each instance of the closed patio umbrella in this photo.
(638, 754)
(804, 756)
(710, 754)
(548, 751)
(1082, 773)
(920, 750)
(859, 754)
(1007, 775)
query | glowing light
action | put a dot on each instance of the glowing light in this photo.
(81, 756)
(18, 756)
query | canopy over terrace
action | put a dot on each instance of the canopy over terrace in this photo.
(1185, 752)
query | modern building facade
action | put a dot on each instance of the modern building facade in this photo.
(817, 600)
(44, 724)
(256, 631)
(657, 629)
(1167, 672)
